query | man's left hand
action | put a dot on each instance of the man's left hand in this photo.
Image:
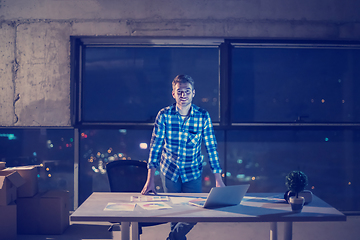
(218, 180)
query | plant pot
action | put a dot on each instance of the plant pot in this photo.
(308, 195)
(297, 203)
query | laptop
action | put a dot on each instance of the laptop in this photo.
(222, 196)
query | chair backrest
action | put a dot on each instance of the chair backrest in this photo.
(126, 175)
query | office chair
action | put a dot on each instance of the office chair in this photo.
(128, 176)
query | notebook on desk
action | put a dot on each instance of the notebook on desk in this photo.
(222, 196)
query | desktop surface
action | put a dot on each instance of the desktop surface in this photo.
(255, 207)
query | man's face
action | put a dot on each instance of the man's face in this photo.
(183, 94)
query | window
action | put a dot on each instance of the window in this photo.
(51, 149)
(132, 83)
(277, 106)
(290, 84)
(329, 158)
(100, 146)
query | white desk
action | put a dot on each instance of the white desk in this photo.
(255, 207)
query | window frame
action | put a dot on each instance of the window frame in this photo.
(288, 44)
(225, 123)
(77, 59)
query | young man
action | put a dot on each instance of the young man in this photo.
(176, 146)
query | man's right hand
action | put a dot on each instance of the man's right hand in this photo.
(148, 188)
(150, 184)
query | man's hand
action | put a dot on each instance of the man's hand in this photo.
(150, 184)
(149, 187)
(218, 180)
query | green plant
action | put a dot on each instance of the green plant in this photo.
(296, 181)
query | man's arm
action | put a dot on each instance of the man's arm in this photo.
(150, 182)
(156, 145)
(218, 180)
(211, 144)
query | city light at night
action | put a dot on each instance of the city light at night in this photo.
(143, 145)
(10, 136)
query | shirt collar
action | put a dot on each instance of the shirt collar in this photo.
(174, 109)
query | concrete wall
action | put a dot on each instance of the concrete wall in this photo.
(35, 34)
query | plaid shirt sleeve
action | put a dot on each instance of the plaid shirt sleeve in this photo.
(211, 144)
(157, 141)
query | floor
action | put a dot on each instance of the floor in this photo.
(349, 230)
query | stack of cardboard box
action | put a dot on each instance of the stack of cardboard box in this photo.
(27, 211)
(9, 182)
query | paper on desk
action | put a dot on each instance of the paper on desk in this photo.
(153, 205)
(120, 207)
(156, 198)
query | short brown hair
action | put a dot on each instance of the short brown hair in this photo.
(183, 79)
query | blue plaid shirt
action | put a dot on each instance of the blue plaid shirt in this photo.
(176, 143)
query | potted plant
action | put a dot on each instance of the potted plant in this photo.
(296, 181)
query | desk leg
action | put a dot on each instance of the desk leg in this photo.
(288, 231)
(134, 231)
(273, 231)
(125, 230)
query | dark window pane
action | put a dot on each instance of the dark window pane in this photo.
(51, 149)
(131, 84)
(296, 84)
(329, 158)
(97, 147)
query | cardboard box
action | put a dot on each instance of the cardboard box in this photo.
(2, 165)
(27, 211)
(8, 222)
(9, 182)
(29, 174)
(54, 218)
(45, 213)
